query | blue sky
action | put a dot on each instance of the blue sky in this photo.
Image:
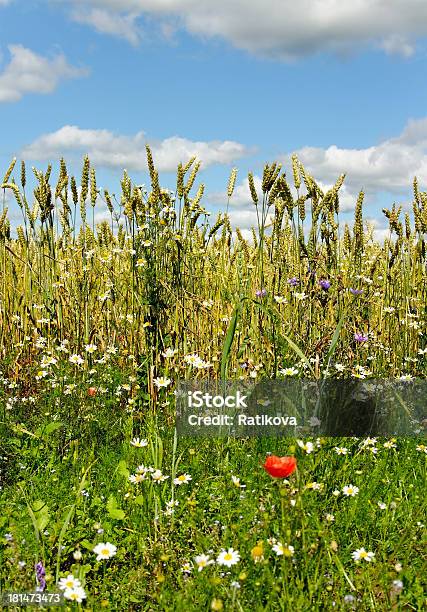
(235, 83)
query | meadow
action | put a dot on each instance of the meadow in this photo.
(101, 500)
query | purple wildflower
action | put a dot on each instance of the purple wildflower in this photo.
(293, 281)
(325, 284)
(261, 293)
(40, 576)
(360, 338)
(356, 291)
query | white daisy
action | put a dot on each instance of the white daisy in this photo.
(228, 557)
(182, 479)
(69, 583)
(104, 550)
(203, 561)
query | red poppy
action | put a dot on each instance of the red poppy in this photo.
(280, 467)
(92, 391)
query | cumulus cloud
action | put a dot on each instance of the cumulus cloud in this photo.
(28, 72)
(117, 151)
(283, 29)
(389, 166)
(107, 22)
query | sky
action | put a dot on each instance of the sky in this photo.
(236, 83)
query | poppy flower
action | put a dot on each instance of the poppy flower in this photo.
(280, 467)
(91, 391)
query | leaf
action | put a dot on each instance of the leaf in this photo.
(113, 510)
(86, 544)
(41, 514)
(226, 350)
(45, 431)
(139, 500)
(299, 352)
(335, 338)
(122, 469)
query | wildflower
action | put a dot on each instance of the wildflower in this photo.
(228, 557)
(293, 282)
(261, 293)
(382, 505)
(203, 561)
(308, 447)
(76, 594)
(397, 586)
(92, 391)
(162, 382)
(389, 444)
(169, 352)
(280, 467)
(186, 568)
(69, 583)
(421, 448)
(325, 284)
(284, 550)
(104, 550)
(76, 360)
(90, 348)
(183, 479)
(137, 478)
(329, 517)
(289, 371)
(362, 554)
(350, 490)
(315, 486)
(341, 450)
(257, 552)
(356, 291)
(158, 477)
(280, 299)
(237, 483)
(139, 443)
(217, 604)
(77, 555)
(360, 337)
(40, 576)
(300, 296)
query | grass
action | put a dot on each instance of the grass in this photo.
(99, 321)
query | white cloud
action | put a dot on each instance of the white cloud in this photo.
(5, 2)
(287, 30)
(117, 151)
(389, 166)
(107, 22)
(28, 72)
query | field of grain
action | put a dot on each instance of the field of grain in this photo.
(100, 499)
